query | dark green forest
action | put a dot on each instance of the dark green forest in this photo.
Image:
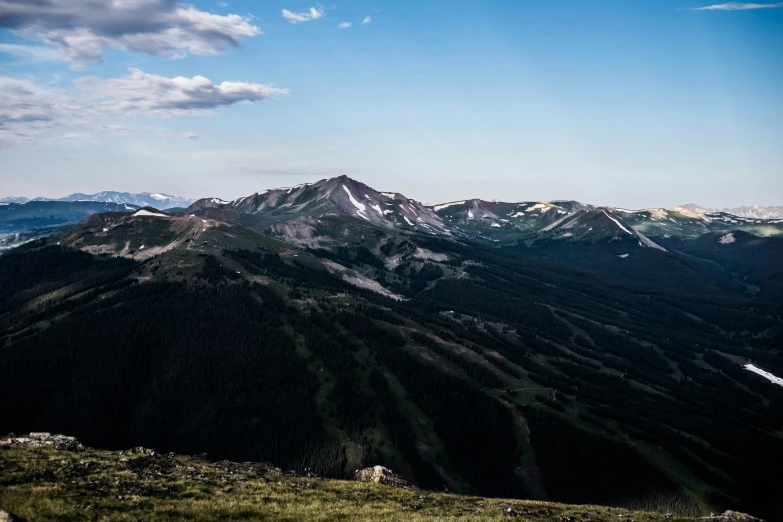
(530, 375)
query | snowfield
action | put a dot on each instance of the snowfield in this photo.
(359, 206)
(148, 213)
(377, 208)
(356, 279)
(727, 239)
(618, 223)
(447, 205)
(423, 253)
(772, 378)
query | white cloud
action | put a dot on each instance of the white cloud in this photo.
(35, 53)
(738, 6)
(191, 136)
(312, 14)
(84, 29)
(344, 25)
(366, 20)
(30, 112)
(155, 95)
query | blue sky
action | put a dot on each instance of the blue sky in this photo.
(630, 103)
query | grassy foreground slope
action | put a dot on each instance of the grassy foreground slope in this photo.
(43, 483)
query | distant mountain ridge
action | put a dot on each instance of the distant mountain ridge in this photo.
(12, 199)
(748, 211)
(165, 201)
(24, 222)
(296, 214)
(324, 214)
(142, 199)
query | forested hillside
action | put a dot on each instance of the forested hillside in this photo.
(575, 372)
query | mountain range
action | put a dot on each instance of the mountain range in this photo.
(24, 222)
(144, 199)
(165, 201)
(753, 211)
(300, 207)
(545, 350)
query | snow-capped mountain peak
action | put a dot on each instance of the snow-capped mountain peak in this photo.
(143, 199)
(749, 211)
(302, 208)
(335, 196)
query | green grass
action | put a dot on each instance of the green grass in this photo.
(47, 484)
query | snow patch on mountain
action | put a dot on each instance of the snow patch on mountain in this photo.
(359, 206)
(770, 377)
(618, 223)
(727, 239)
(144, 212)
(356, 279)
(447, 205)
(646, 241)
(423, 253)
(555, 223)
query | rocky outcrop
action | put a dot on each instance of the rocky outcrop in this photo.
(8, 517)
(139, 450)
(37, 439)
(730, 516)
(381, 475)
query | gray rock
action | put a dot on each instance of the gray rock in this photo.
(8, 517)
(380, 475)
(140, 450)
(39, 439)
(731, 516)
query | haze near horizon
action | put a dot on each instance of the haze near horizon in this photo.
(649, 104)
